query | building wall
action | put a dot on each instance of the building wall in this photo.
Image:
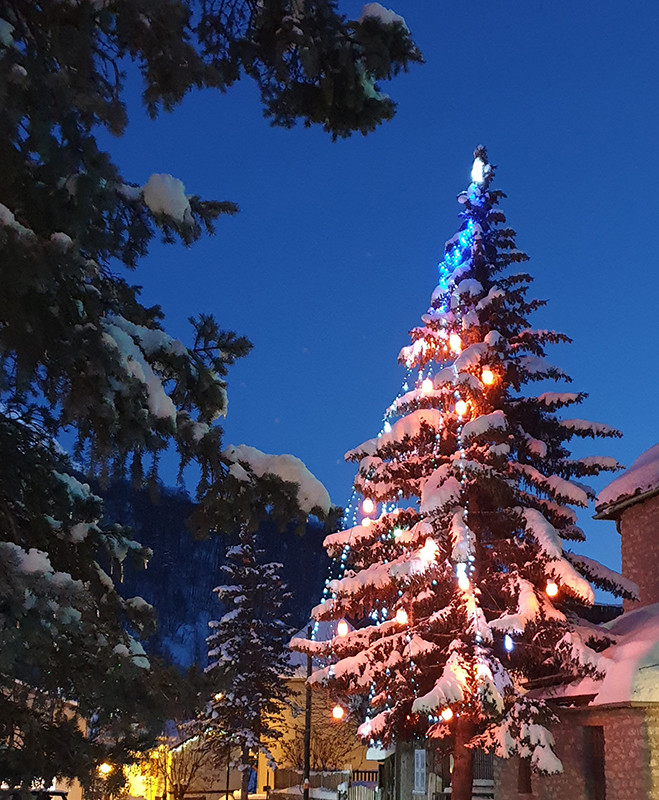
(639, 531)
(631, 757)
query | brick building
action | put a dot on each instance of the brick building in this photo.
(608, 736)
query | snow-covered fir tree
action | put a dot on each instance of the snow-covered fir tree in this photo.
(461, 575)
(81, 353)
(248, 657)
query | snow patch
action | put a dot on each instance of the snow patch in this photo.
(165, 194)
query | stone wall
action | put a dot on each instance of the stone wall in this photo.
(631, 757)
(639, 531)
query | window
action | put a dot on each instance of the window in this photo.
(420, 771)
(594, 771)
(524, 776)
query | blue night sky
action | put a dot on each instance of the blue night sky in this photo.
(333, 256)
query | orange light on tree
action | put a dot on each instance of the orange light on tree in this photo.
(342, 628)
(105, 768)
(447, 714)
(401, 616)
(551, 589)
(461, 408)
(368, 506)
(487, 376)
(455, 343)
(427, 386)
(338, 712)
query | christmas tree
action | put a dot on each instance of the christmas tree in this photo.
(248, 657)
(460, 577)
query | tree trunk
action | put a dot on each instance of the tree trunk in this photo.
(463, 760)
(244, 785)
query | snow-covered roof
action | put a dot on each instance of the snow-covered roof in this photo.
(642, 477)
(632, 663)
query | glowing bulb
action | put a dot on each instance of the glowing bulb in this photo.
(427, 386)
(487, 376)
(455, 343)
(429, 550)
(387, 427)
(338, 712)
(508, 642)
(551, 589)
(219, 696)
(478, 171)
(105, 768)
(447, 714)
(368, 506)
(463, 582)
(461, 408)
(401, 616)
(397, 533)
(366, 522)
(342, 628)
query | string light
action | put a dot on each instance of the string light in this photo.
(338, 712)
(487, 376)
(401, 616)
(508, 643)
(342, 628)
(105, 768)
(427, 386)
(447, 714)
(461, 408)
(368, 506)
(551, 589)
(455, 343)
(366, 522)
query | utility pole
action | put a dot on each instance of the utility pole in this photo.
(307, 727)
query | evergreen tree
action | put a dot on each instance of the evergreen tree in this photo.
(81, 354)
(248, 656)
(461, 569)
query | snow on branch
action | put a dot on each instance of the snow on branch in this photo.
(449, 688)
(164, 194)
(386, 16)
(311, 494)
(483, 424)
(584, 428)
(604, 577)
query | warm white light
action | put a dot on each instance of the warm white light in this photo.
(455, 343)
(487, 376)
(105, 768)
(447, 714)
(401, 616)
(342, 628)
(551, 589)
(428, 551)
(397, 533)
(338, 712)
(463, 582)
(427, 386)
(368, 506)
(478, 171)
(461, 408)
(366, 522)
(219, 696)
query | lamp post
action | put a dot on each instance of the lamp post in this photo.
(307, 727)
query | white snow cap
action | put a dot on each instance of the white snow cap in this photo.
(641, 477)
(311, 492)
(165, 194)
(386, 16)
